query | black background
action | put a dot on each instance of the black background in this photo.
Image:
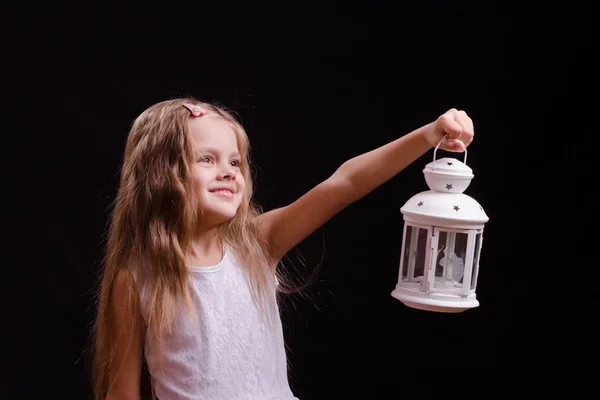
(314, 84)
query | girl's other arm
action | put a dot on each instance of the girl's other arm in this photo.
(285, 227)
(126, 368)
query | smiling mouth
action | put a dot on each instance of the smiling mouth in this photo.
(226, 193)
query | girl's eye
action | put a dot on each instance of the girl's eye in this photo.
(236, 163)
(205, 159)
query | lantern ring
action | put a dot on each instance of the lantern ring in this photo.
(438, 145)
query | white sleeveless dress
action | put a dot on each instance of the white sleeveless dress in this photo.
(226, 350)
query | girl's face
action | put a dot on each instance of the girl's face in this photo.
(218, 180)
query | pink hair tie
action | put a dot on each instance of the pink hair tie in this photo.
(196, 111)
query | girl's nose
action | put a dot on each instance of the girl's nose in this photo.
(226, 173)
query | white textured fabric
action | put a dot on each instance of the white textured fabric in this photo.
(227, 350)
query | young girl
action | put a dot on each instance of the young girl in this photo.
(189, 287)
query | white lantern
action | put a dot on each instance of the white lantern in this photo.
(441, 243)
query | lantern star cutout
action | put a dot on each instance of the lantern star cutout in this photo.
(420, 204)
(449, 163)
(456, 208)
(449, 186)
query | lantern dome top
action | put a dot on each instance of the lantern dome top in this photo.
(449, 166)
(449, 209)
(445, 203)
(448, 175)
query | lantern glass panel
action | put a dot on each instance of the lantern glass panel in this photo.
(475, 261)
(450, 261)
(415, 246)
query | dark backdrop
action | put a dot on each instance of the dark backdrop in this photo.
(314, 84)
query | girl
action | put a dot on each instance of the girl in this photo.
(188, 293)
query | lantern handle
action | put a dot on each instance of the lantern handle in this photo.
(438, 145)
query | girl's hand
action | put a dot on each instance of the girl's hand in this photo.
(456, 125)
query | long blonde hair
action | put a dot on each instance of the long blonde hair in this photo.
(153, 218)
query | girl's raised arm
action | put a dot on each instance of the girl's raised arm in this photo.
(285, 227)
